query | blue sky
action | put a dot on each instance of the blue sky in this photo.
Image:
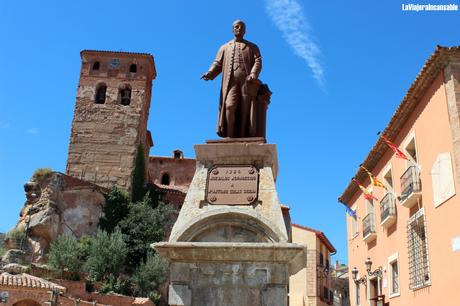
(337, 70)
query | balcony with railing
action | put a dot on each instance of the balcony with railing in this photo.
(411, 187)
(387, 210)
(369, 233)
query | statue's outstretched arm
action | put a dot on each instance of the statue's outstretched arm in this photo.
(216, 66)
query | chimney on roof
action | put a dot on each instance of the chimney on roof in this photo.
(178, 154)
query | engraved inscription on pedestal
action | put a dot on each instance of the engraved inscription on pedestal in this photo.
(232, 185)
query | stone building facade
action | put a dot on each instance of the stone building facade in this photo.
(404, 246)
(110, 119)
(312, 286)
(171, 176)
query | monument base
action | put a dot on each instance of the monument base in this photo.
(230, 274)
(230, 244)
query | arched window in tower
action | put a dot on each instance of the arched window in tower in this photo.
(124, 94)
(133, 68)
(165, 180)
(96, 66)
(101, 90)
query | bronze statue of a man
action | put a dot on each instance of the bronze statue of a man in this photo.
(240, 63)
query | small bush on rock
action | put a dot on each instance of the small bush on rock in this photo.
(42, 174)
(15, 235)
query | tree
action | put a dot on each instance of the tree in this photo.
(138, 181)
(150, 274)
(115, 209)
(64, 254)
(106, 255)
(144, 225)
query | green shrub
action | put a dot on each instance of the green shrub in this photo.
(114, 210)
(149, 275)
(42, 174)
(143, 226)
(2, 251)
(16, 235)
(84, 245)
(107, 254)
(155, 297)
(120, 284)
(64, 255)
(138, 179)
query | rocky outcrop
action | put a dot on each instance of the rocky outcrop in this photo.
(14, 256)
(58, 204)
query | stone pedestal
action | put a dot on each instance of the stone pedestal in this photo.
(235, 254)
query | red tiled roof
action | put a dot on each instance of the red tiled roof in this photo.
(320, 235)
(430, 70)
(27, 281)
(171, 188)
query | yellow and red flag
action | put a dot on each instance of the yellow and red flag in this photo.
(374, 181)
(395, 149)
(367, 193)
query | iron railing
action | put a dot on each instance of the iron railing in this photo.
(368, 224)
(387, 206)
(410, 182)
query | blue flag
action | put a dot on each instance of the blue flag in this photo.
(350, 211)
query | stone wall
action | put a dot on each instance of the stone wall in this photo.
(230, 284)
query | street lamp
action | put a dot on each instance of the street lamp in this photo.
(354, 274)
(377, 272)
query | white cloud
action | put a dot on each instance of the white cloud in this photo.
(32, 131)
(288, 16)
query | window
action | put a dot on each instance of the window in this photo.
(354, 226)
(321, 259)
(101, 90)
(388, 179)
(165, 180)
(369, 219)
(411, 150)
(96, 66)
(369, 206)
(419, 274)
(394, 277)
(133, 68)
(124, 95)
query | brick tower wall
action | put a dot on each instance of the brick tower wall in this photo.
(105, 136)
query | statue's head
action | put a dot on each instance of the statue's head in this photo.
(239, 28)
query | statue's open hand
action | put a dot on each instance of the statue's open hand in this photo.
(205, 76)
(251, 77)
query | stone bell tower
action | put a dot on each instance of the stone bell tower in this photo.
(110, 119)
